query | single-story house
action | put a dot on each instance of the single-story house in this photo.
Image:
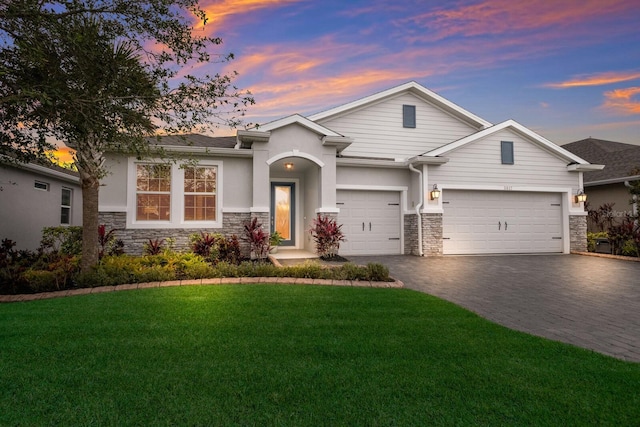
(611, 184)
(34, 196)
(405, 171)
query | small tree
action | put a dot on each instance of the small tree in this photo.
(327, 235)
(257, 238)
(100, 75)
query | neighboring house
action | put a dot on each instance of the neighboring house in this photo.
(609, 185)
(34, 196)
(372, 164)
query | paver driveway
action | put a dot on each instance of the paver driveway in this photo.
(585, 301)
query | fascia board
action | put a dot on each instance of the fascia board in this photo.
(574, 167)
(612, 181)
(50, 172)
(346, 161)
(300, 120)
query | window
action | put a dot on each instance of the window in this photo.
(39, 185)
(65, 206)
(173, 195)
(507, 152)
(153, 192)
(409, 116)
(200, 193)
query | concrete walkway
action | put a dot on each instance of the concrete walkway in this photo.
(589, 302)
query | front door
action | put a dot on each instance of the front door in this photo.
(283, 211)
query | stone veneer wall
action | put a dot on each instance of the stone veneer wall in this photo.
(432, 234)
(578, 233)
(411, 234)
(135, 238)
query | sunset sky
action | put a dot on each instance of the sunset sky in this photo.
(568, 69)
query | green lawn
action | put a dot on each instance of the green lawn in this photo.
(293, 355)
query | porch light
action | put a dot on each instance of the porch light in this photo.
(580, 197)
(288, 166)
(435, 193)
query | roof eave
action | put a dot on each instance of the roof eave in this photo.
(227, 152)
(577, 167)
(340, 142)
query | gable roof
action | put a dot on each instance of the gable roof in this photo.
(619, 159)
(300, 120)
(517, 127)
(415, 89)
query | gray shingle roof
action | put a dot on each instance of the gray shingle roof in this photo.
(196, 140)
(620, 159)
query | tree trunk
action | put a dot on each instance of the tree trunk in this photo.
(90, 188)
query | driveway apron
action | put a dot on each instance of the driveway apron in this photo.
(589, 302)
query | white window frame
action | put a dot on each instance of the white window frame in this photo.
(69, 206)
(177, 219)
(44, 186)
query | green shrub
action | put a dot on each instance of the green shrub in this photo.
(225, 269)
(66, 240)
(155, 273)
(629, 248)
(350, 271)
(40, 280)
(307, 270)
(377, 272)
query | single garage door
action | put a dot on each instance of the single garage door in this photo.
(496, 222)
(370, 222)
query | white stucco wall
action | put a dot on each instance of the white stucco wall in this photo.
(25, 210)
(237, 183)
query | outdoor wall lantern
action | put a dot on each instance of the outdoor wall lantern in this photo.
(288, 166)
(435, 193)
(581, 197)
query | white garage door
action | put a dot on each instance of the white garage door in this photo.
(370, 222)
(495, 222)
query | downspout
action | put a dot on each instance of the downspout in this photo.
(418, 207)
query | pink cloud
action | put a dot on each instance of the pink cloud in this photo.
(508, 16)
(597, 79)
(623, 101)
(218, 11)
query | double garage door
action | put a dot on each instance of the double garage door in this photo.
(370, 222)
(495, 222)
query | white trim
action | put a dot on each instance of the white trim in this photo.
(557, 150)
(107, 208)
(48, 172)
(259, 209)
(300, 120)
(177, 197)
(612, 181)
(584, 168)
(327, 210)
(413, 88)
(236, 210)
(295, 153)
(372, 187)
